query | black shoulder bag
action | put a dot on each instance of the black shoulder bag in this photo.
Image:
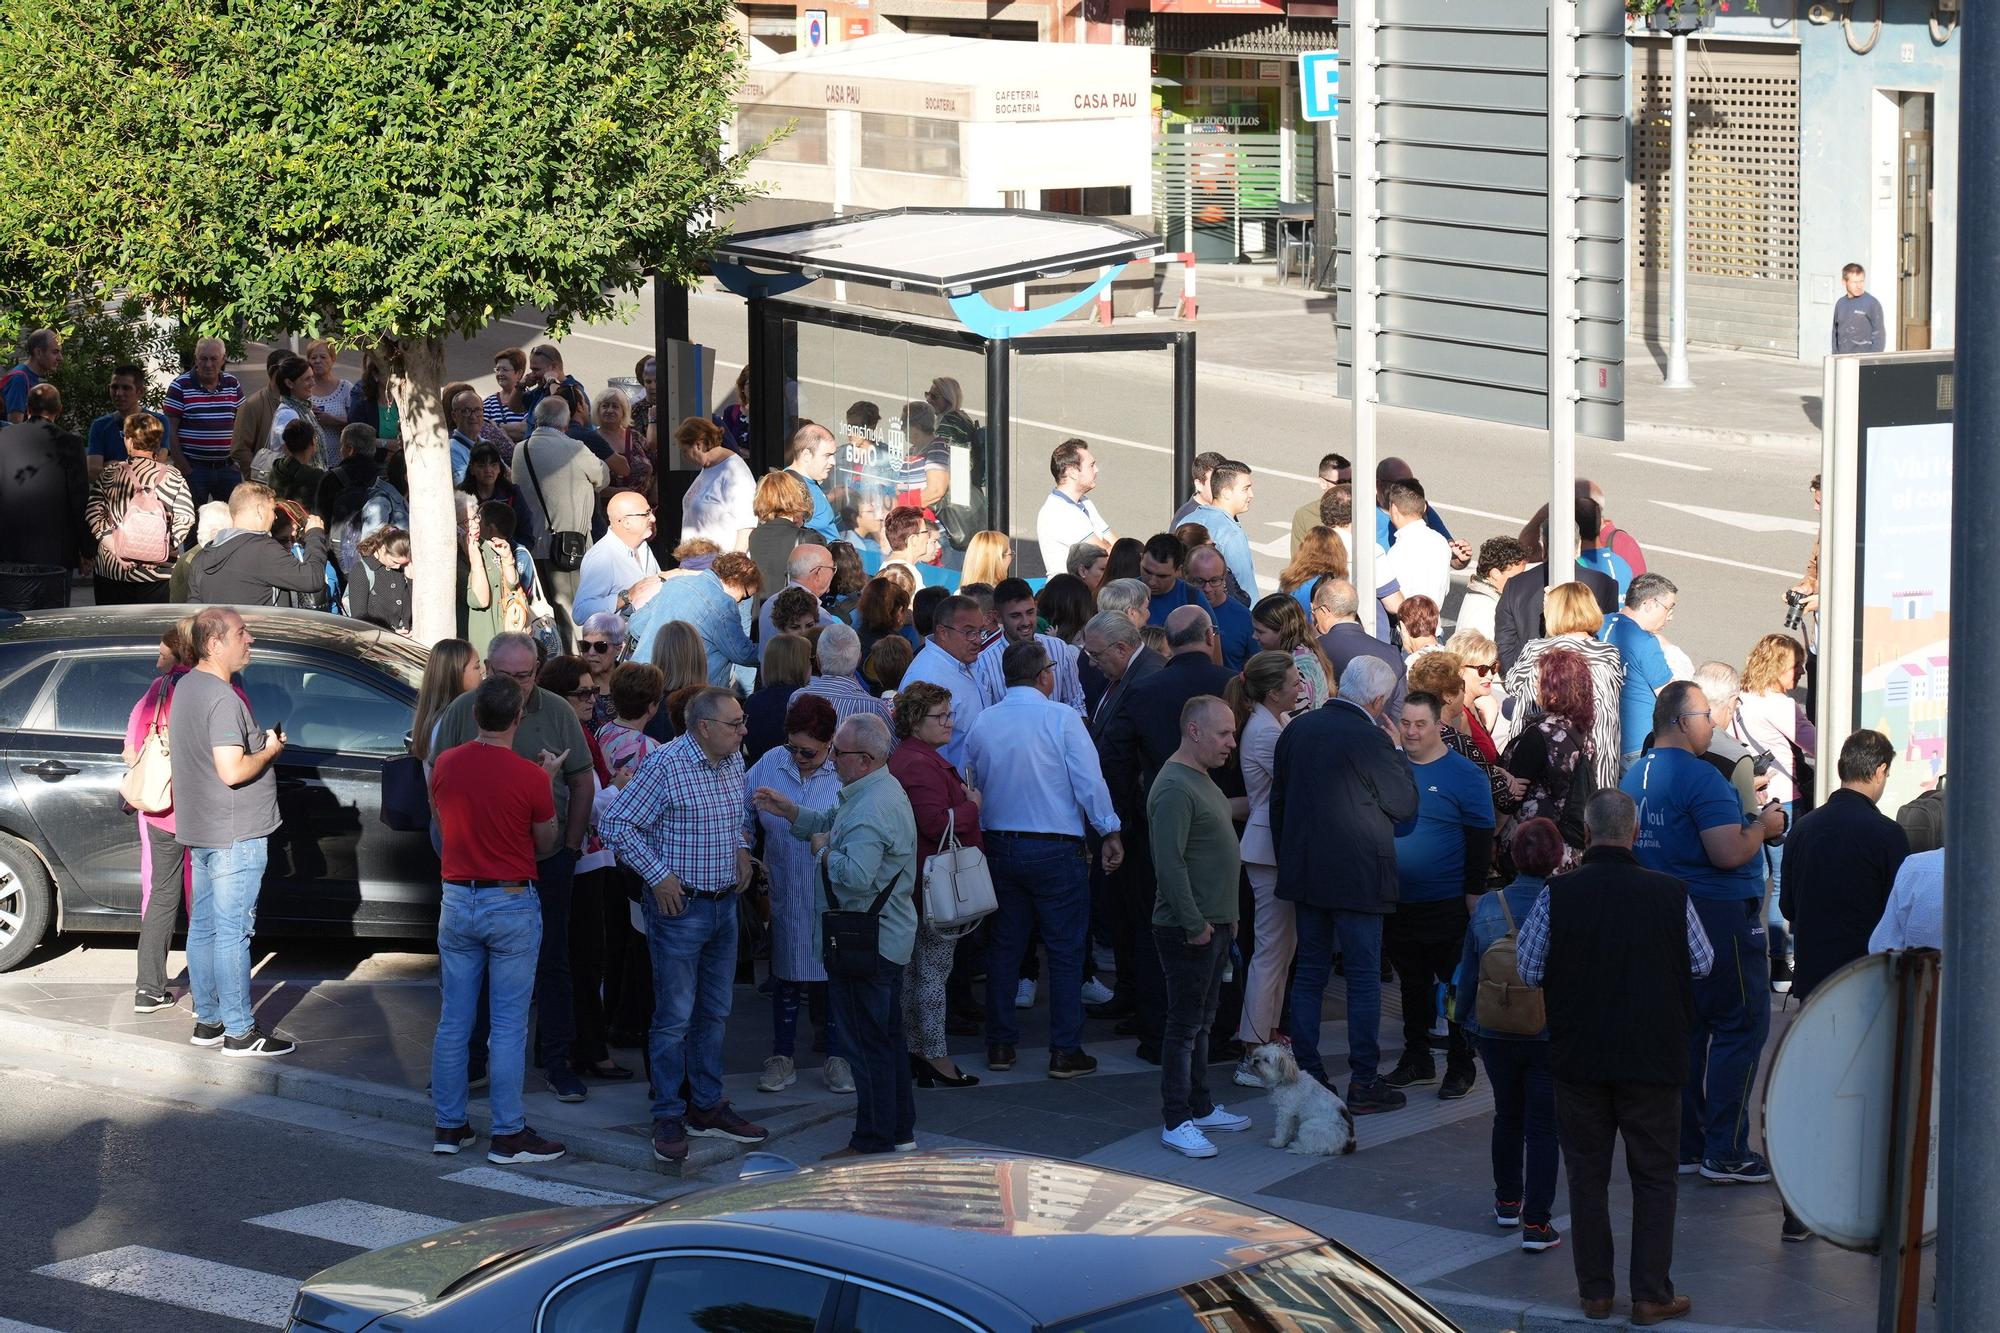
(566, 549)
(851, 942)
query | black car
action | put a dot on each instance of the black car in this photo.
(69, 848)
(992, 1242)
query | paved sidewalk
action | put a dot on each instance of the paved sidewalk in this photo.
(1283, 336)
(1416, 1197)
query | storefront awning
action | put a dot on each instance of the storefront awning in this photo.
(1253, 7)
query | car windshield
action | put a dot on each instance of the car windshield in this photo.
(1315, 1291)
(399, 657)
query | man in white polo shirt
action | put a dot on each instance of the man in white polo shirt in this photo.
(1068, 516)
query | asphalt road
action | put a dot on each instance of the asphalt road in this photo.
(1732, 526)
(135, 1212)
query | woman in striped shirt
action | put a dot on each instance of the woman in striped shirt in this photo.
(507, 406)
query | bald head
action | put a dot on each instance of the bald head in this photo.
(1189, 629)
(810, 567)
(1387, 472)
(1338, 599)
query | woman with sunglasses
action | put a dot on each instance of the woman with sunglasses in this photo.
(802, 771)
(590, 1051)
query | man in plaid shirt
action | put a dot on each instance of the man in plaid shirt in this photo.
(678, 825)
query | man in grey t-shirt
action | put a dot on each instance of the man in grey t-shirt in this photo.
(225, 807)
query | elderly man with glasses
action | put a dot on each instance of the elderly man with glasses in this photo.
(958, 631)
(620, 571)
(868, 839)
(809, 566)
(679, 826)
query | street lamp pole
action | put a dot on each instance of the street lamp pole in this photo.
(1677, 346)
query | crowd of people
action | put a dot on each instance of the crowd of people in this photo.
(1586, 862)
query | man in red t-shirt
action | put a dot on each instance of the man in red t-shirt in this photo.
(497, 813)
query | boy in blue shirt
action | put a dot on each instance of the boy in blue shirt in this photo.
(1442, 857)
(1691, 826)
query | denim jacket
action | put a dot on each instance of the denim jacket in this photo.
(1486, 926)
(702, 601)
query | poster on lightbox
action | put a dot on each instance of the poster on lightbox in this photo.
(1904, 661)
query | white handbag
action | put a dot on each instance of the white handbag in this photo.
(958, 889)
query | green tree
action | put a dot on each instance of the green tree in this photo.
(389, 174)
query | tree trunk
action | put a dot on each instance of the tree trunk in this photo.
(416, 377)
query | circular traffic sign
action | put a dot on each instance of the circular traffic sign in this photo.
(1829, 1107)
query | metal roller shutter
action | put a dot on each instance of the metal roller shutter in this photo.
(1743, 194)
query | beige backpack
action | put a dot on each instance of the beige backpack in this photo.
(1507, 1004)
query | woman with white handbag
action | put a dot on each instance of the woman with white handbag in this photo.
(947, 813)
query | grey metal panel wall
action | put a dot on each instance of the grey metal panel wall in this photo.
(1463, 231)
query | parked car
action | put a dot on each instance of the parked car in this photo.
(69, 849)
(909, 1243)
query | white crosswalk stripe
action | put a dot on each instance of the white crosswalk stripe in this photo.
(184, 1282)
(365, 1226)
(534, 1187)
(16, 1326)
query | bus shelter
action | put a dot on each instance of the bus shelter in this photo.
(950, 372)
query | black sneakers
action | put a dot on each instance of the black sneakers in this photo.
(1793, 1229)
(1000, 1057)
(721, 1122)
(526, 1146)
(258, 1042)
(1537, 1238)
(207, 1034)
(1369, 1098)
(1409, 1073)
(1458, 1081)
(451, 1140)
(146, 1001)
(1071, 1064)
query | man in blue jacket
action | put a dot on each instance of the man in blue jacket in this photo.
(1341, 787)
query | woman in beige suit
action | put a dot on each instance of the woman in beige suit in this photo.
(1263, 696)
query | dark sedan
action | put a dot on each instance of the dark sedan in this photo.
(69, 850)
(920, 1243)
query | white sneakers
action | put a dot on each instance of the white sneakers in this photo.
(839, 1077)
(1096, 992)
(778, 1074)
(1223, 1119)
(1189, 1139)
(1024, 994)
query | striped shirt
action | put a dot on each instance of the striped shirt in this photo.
(499, 413)
(204, 420)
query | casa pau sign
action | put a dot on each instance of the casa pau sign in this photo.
(1012, 100)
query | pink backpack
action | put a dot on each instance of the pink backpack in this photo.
(143, 535)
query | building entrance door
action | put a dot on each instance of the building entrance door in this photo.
(1913, 222)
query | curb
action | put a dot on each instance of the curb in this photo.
(143, 1055)
(1500, 1314)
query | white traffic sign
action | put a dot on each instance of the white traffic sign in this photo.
(1830, 1103)
(1319, 85)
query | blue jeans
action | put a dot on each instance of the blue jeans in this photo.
(226, 881)
(212, 481)
(1043, 881)
(1524, 1117)
(1774, 915)
(555, 1001)
(486, 938)
(869, 1010)
(1358, 936)
(786, 996)
(694, 975)
(1732, 1007)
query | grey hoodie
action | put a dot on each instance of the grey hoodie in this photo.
(245, 568)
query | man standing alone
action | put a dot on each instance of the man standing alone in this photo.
(869, 844)
(498, 819)
(1857, 316)
(1613, 947)
(225, 809)
(1196, 862)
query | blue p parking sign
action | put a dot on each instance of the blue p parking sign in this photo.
(1319, 84)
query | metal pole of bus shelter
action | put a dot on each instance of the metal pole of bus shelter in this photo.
(1968, 1283)
(1184, 402)
(999, 355)
(1362, 41)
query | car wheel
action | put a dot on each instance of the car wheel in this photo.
(25, 901)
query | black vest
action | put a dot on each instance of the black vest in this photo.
(1619, 996)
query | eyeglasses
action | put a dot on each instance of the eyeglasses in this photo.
(944, 716)
(803, 752)
(1685, 716)
(838, 753)
(643, 513)
(587, 692)
(737, 723)
(1217, 582)
(594, 645)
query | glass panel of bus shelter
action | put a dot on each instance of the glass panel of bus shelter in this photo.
(1121, 404)
(908, 418)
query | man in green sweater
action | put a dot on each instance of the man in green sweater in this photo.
(1195, 864)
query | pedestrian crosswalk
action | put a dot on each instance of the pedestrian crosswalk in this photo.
(206, 1286)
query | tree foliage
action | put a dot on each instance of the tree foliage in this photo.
(388, 173)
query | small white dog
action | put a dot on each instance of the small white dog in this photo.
(1311, 1120)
